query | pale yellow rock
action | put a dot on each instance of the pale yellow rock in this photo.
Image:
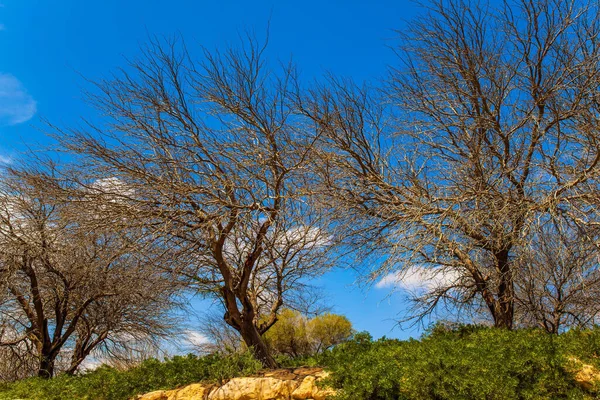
(585, 375)
(304, 371)
(283, 375)
(195, 391)
(301, 384)
(305, 390)
(308, 389)
(255, 389)
(321, 374)
(156, 395)
(323, 394)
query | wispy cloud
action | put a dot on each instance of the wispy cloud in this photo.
(417, 278)
(16, 105)
(2, 27)
(195, 338)
(90, 364)
(5, 160)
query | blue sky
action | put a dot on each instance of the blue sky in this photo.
(47, 46)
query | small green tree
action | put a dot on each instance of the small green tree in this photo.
(327, 330)
(296, 335)
(289, 334)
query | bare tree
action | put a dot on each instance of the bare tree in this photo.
(216, 165)
(490, 122)
(222, 337)
(130, 353)
(66, 289)
(558, 277)
(17, 362)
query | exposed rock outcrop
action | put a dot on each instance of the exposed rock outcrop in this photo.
(282, 384)
(587, 376)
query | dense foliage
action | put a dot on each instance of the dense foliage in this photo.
(296, 335)
(463, 362)
(107, 383)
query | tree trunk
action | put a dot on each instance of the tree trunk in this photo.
(76, 361)
(505, 305)
(243, 322)
(253, 339)
(47, 355)
(503, 320)
(46, 367)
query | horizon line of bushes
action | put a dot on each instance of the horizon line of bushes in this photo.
(447, 362)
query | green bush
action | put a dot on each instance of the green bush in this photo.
(107, 383)
(449, 362)
(466, 362)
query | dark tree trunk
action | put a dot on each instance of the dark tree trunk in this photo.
(46, 367)
(254, 339)
(47, 354)
(244, 322)
(505, 304)
(76, 360)
(504, 320)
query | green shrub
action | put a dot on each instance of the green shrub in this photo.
(464, 363)
(449, 362)
(107, 383)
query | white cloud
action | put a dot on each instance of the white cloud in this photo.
(417, 278)
(306, 236)
(16, 105)
(112, 185)
(90, 364)
(5, 160)
(195, 338)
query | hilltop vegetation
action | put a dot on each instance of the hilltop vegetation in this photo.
(464, 362)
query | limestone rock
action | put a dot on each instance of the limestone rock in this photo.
(282, 384)
(264, 388)
(305, 371)
(308, 389)
(282, 374)
(305, 390)
(195, 391)
(586, 375)
(156, 395)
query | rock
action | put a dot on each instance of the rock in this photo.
(305, 390)
(266, 388)
(308, 389)
(305, 371)
(586, 375)
(282, 374)
(282, 384)
(156, 395)
(195, 391)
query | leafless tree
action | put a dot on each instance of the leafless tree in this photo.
(17, 362)
(489, 123)
(222, 337)
(216, 165)
(134, 353)
(558, 278)
(66, 289)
